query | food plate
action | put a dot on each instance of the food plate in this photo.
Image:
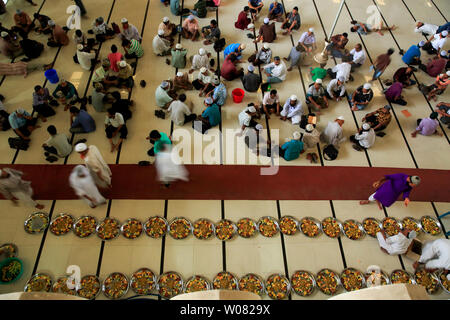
(115, 286)
(391, 226)
(203, 229)
(132, 228)
(445, 283)
(310, 226)
(430, 225)
(372, 226)
(331, 227)
(11, 269)
(247, 227)
(60, 286)
(156, 227)
(8, 250)
(411, 224)
(277, 287)
(143, 281)
(170, 284)
(353, 229)
(303, 283)
(225, 229)
(225, 280)
(252, 283)
(180, 228)
(376, 279)
(108, 229)
(352, 279)
(39, 282)
(328, 281)
(62, 224)
(401, 276)
(288, 225)
(84, 226)
(36, 222)
(427, 279)
(90, 287)
(197, 283)
(268, 226)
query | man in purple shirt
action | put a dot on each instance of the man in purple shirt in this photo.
(394, 94)
(427, 126)
(394, 185)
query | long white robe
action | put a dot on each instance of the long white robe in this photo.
(98, 167)
(85, 186)
(333, 134)
(15, 187)
(167, 170)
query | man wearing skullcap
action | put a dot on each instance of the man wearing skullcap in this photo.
(66, 93)
(211, 33)
(276, 11)
(308, 40)
(129, 31)
(292, 110)
(58, 37)
(311, 137)
(190, 28)
(267, 32)
(85, 57)
(396, 244)
(361, 97)
(427, 126)
(436, 66)
(364, 139)
(125, 75)
(436, 43)
(97, 166)
(84, 186)
(247, 117)
(170, 29)
(13, 188)
(210, 116)
(203, 82)
(412, 55)
(161, 46)
(316, 97)
(275, 71)
(22, 123)
(251, 81)
(9, 47)
(219, 94)
(336, 89)
(234, 48)
(292, 149)
(101, 30)
(162, 97)
(102, 75)
(99, 98)
(379, 119)
(200, 60)
(178, 56)
(262, 56)
(181, 81)
(180, 113)
(333, 133)
(23, 23)
(391, 187)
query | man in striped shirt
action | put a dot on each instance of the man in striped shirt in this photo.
(132, 48)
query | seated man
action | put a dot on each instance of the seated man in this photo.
(209, 118)
(200, 60)
(199, 9)
(125, 75)
(412, 55)
(9, 47)
(361, 97)
(435, 255)
(100, 97)
(336, 89)
(121, 106)
(318, 72)
(403, 75)
(243, 19)
(162, 97)
(58, 144)
(341, 70)
(101, 30)
(58, 37)
(181, 82)
(190, 28)
(307, 41)
(276, 11)
(43, 20)
(170, 29)
(211, 33)
(133, 49)
(436, 43)
(316, 97)
(358, 57)
(292, 149)
(81, 121)
(436, 66)
(292, 21)
(161, 46)
(178, 60)
(292, 110)
(23, 23)
(102, 75)
(66, 93)
(271, 102)
(364, 139)
(255, 8)
(86, 57)
(129, 31)
(438, 87)
(235, 48)
(275, 71)
(31, 48)
(427, 126)
(229, 71)
(311, 137)
(180, 113)
(158, 139)
(114, 57)
(219, 94)
(114, 124)
(333, 133)
(337, 46)
(379, 119)
(443, 109)
(398, 244)
(203, 82)
(295, 56)
(267, 32)
(425, 29)
(251, 81)
(263, 56)
(22, 123)
(247, 117)
(394, 94)
(364, 29)
(41, 98)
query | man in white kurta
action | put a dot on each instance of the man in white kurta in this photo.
(333, 133)
(13, 188)
(168, 168)
(435, 255)
(397, 244)
(200, 60)
(99, 169)
(292, 110)
(161, 46)
(84, 186)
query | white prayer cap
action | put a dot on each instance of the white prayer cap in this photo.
(80, 147)
(412, 234)
(20, 110)
(209, 100)
(215, 80)
(340, 118)
(296, 135)
(191, 17)
(443, 53)
(243, 46)
(80, 47)
(178, 46)
(250, 26)
(319, 81)
(258, 127)
(311, 30)
(266, 46)
(166, 19)
(251, 68)
(4, 34)
(293, 97)
(266, 20)
(161, 32)
(444, 33)
(124, 20)
(448, 277)
(341, 79)
(164, 84)
(367, 86)
(122, 64)
(366, 126)
(251, 109)
(448, 73)
(415, 180)
(179, 74)
(203, 69)
(51, 23)
(309, 127)
(201, 51)
(422, 43)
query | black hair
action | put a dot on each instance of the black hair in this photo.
(36, 15)
(233, 58)
(295, 8)
(353, 22)
(345, 34)
(51, 129)
(390, 51)
(276, 58)
(116, 95)
(37, 88)
(434, 115)
(359, 45)
(114, 48)
(111, 111)
(246, 8)
(79, 33)
(125, 42)
(154, 134)
(273, 91)
(251, 104)
(74, 109)
(213, 22)
(353, 29)
(182, 97)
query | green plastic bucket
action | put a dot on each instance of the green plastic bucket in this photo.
(6, 262)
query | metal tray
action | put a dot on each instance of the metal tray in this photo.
(113, 229)
(8, 250)
(152, 231)
(134, 223)
(225, 280)
(225, 225)
(170, 284)
(84, 226)
(268, 226)
(292, 228)
(199, 227)
(359, 226)
(273, 289)
(418, 225)
(249, 232)
(197, 283)
(373, 281)
(143, 281)
(36, 223)
(180, 228)
(436, 284)
(371, 233)
(314, 221)
(348, 287)
(40, 282)
(302, 275)
(60, 286)
(335, 234)
(61, 224)
(90, 287)
(390, 231)
(115, 286)
(252, 283)
(436, 231)
(405, 273)
(443, 282)
(328, 273)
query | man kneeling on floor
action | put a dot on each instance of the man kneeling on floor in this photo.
(292, 149)
(209, 118)
(58, 144)
(364, 139)
(397, 244)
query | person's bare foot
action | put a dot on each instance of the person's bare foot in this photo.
(40, 206)
(191, 71)
(355, 109)
(379, 205)
(289, 69)
(363, 202)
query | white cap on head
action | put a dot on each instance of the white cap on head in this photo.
(201, 51)
(265, 46)
(250, 26)
(311, 30)
(341, 79)
(80, 147)
(448, 73)
(415, 180)
(4, 34)
(209, 100)
(309, 127)
(80, 47)
(366, 126)
(319, 81)
(412, 234)
(251, 68)
(51, 22)
(164, 84)
(266, 20)
(243, 46)
(340, 118)
(20, 110)
(124, 20)
(191, 17)
(166, 19)
(296, 135)
(215, 80)
(444, 33)
(422, 43)
(180, 74)
(178, 46)
(122, 64)
(203, 69)
(367, 86)
(160, 32)
(444, 53)
(251, 109)
(259, 127)
(293, 97)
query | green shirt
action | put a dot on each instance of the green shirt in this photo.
(136, 48)
(212, 113)
(159, 144)
(179, 58)
(200, 7)
(61, 143)
(318, 73)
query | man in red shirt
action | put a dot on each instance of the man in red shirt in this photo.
(436, 66)
(243, 19)
(229, 71)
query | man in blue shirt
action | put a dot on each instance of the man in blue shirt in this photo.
(255, 7)
(81, 121)
(219, 94)
(291, 150)
(276, 11)
(412, 56)
(235, 48)
(22, 123)
(209, 118)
